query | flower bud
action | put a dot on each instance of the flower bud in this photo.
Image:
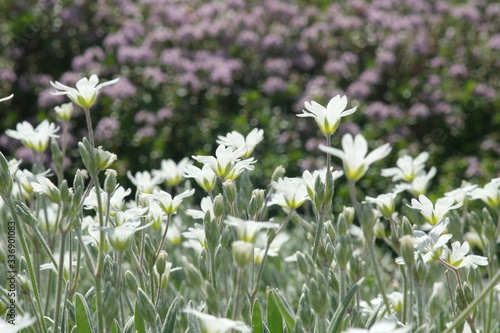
(278, 173)
(64, 111)
(461, 302)
(318, 295)
(302, 263)
(227, 238)
(367, 223)
(341, 225)
(305, 313)
(420, 270)
(24, 212)
(203, 264)
(242, 252)
(103, 159)
(407, 251)
(343, 252)
(349, 214)
(406, 227)
(229, 188)
(259, 196)
(131, 281)
(252, 206)
(218, 206)
(469, 292)
(161, 262)
(5, 177)
(330, 231)
(110, 181)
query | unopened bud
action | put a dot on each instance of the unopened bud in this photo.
(146, 307)
(131, 281)
(242, 252)
(193, 274)
(302, 263)
(161, 262)
(407, 251)
(349, 214)
(278, 173)
(229, 190)
(406, 227)
(110, 181)
(218, 206)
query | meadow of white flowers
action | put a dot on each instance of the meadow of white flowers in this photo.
(196, 247)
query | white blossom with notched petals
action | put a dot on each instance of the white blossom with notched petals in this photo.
(34, 138)
(172, 173)
(20, 322)
(328, 119)
(382, 326)
(354, 155)
(86, 90)
(458, 258)
(212, 324)
(205, 177)
(167, 203)
(227, 162)
(430, 245)
(237, 141)
(407, 168)
(144, 182)
(490, 193)
(290, 193)
(433, 213)
(248, 230)
(419, 184)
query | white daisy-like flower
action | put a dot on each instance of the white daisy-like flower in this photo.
(290, 193)
(407, 167)
(144, 182)
(6, 98)
(430, 245)
(490, 193)
(433, 213)
(248, 230)
(86, 90)
(120, 237)
(237, 141)
(385, 203)
(212, 324)
(419, 184)
(227, 162)
(64, 111)
(43, 185)
(169, 204)
(458, 258)
(172, 173)
(197, 233)
(309, 179)
(34, 138)
(354, 155)
(328, 119)
(205, 177)
(461, 194)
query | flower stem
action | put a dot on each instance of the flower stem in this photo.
(354, 197)
(89, 126)
(60, 278)
(379, 280)
(317, 237)
(163, 237)
(238, 293)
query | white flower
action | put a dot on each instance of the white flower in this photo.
(169, 204)
(238, 141)
(247, 230)
(44, 186)
(34, 138)
(354, 155)
(6, 98)
(385, 203)
(419, 184)
(461, 194)
(197, 233)
(212, 324)
(274, 247)
(172, 172)
(431, 213)
(205, 177)
(431, 244)
(144, 181)
(458, 257)
(310, 179)
(328, 119)
(227, 164)
(407, 167)
(120, 237)
(490, 193)
(382, 326)
(20, 322)
(291, 193)
(25, 177)
(86, 90)
(64, 111)
(120, 217)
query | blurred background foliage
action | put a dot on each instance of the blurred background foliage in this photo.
(424, 75)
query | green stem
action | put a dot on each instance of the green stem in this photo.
(342, 284)
(379, 280)
(420, 306)
(163, 238)
(354, 198)
(320, 324)
(89, 126)
(27, 256)
(317, 237)
(100, 260)
(259, 274)
(410, 302)
(405, 299)
(238, 293)
(60, 279)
